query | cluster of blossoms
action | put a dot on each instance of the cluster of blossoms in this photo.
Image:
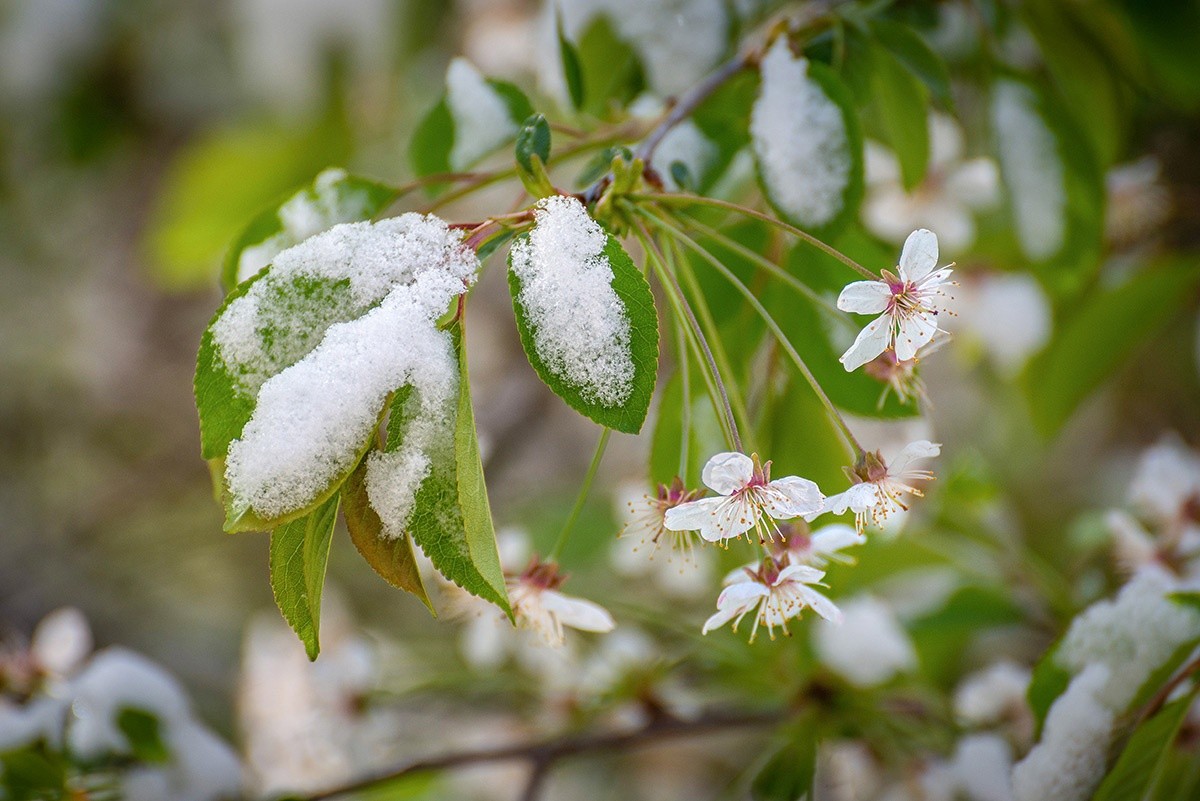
(747, 503)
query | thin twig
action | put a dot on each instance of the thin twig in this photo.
(550, 751)
(1160, 698)
(563, 535)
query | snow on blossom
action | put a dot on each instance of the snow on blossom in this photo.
(579, 326)
(646, 547)
(203, 768)
(39, 719)
(775, 594)
(1007, 314)
(1069, 761)
(1032, 169)
(61, 642)
(883, 485)
(986, 697)
(482, 120)
(387, 283)
(908, 304)
(540, 607)
(748, 500)
(1165, 488)
(800, 140)
(954, 189)
(869, 647)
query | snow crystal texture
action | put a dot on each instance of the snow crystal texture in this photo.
(1032, 168)
(1069, 761)
(800, 140)
(579, 327)
(323, 371)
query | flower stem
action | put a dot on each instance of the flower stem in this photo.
(773, 269)
(680, 302)
(588, 479)
(834, 415)
(807, 238)
(685, 411)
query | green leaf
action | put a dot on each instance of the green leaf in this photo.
(572, 69)
(299, 555)
(30, 774)
(1101, 335)
(533, 139)
(432, 141)
(519, 107)
(824, 82)
(611, 70)
(223, 179)
(600, 164)
(1083, 73)
(142, 732)
(788, 774)
(1142, 760)
(392, 559)
(903, 103)
(942, 636)
(724, 119)
(1186, 598)
(638, 304)
(1049, 681)
(451, 520)
(333, 197)
(911, 50)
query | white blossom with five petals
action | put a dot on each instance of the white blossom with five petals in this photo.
(538, 605)
(907, 304)
(775, 594)
(881, 487)
(748, 500)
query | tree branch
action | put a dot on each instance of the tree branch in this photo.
(543, 754)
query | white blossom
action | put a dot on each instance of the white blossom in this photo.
(908, 304)
(869, 647)
(748, 500)
(774, 594)
(882, 485)
(1007, 314)
(646, 547)
(540, 607)
(953, 191)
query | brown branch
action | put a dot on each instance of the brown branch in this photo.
(1160, 698)
(543, 754)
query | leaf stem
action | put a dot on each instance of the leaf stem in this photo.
(685, 411)
(698, 200)
(834, 415)
(673, 287)
(588, 479)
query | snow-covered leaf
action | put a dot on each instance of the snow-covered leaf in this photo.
(295, 369)
(585, 315)
(299, 555)
(807, 141)
(1054, 185)
(473, 118)
(334, 197)
(448, 515)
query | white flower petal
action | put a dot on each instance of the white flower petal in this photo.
(864, 297)
(915, 331)
(921, 449)
(857, 499)
(919, 256)
(739, 574)
(871, 341)
(805, 574)
(577, 613)
(834, 537)
(742, 595)
(975, 183)
(728, 472)
(691, 516)
(792, 496)
(821, 605)
(719, 619)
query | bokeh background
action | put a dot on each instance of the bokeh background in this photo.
(138, 136)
